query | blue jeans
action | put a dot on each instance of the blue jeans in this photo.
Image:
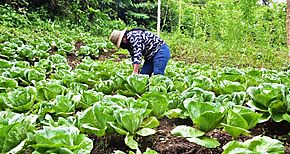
(158, 62)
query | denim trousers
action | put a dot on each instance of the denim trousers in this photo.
(158, 62)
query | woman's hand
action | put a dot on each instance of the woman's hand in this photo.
(135, 69)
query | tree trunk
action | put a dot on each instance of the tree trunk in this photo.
(158, 17)
(288, 26)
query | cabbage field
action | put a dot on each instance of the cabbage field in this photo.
(49, 106)
(63, 90)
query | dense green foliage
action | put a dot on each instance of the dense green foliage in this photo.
(220, 32)
(228, 33)
(234, 24)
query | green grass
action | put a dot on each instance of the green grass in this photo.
(218, 54)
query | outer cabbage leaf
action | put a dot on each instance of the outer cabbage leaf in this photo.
(21, 99)
(257, 144)
(7, 83)
(13, 130)
(204, 115)
(129, 123)
(63, 105)
(180, 84)
(94, 120)
(43, 64)
(84, 76)
(270, 97)
(90, 97)
(229, 100)
(186, 131)
(160, 83)
(12, 135)
(228, 87)
(120, 102)
(196, 136)
(78, 87)
(265, 93)
(240, 119)
(5, 63)
(157, 101)
(49, 121)
(107, 87)
(67, 76)
(277, 108)
(231, 74)
(62, 139)
(202, 82)
(248, 114)
(48, 90)
(33, 75)
(207, 96)
(205, 141)
(137, 83)
(57, 59)
(130, 119)
(208, 120)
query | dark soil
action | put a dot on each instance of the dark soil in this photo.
(78, 45)
(165, 143)
(109, 143)
(73, 60)
(110, 54)
(105, 55)
(274, 130)
(53, 49)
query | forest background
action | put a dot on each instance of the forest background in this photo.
(240, 33)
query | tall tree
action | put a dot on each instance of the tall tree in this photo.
(288, 26)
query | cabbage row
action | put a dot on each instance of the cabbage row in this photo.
(52, 107)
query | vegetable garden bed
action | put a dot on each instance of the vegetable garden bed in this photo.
(155, 113)
(166, 143)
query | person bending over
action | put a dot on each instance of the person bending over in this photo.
(141, 43)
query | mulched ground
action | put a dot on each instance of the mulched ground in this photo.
(164, 143)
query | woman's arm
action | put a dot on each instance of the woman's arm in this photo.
(137, 47)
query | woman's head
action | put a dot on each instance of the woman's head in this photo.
(117, 36)
(125, 43)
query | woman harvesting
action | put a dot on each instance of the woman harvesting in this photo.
(141, 43)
